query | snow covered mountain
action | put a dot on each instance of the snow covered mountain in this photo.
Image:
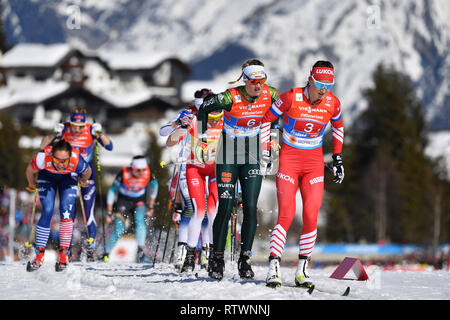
(215, 37)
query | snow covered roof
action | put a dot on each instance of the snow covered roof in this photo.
(31, 92)
(35, 55)
(132, 60)
(121, 98)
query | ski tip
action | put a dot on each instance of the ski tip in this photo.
(346, 292)
(311, 289)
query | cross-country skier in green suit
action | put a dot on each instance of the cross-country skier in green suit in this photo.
(238, 156)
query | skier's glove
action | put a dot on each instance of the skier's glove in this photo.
(149, 212)
(31, 188)
(97, 129)
(58, 129)
(201, 150)
(265, 164)
(338, 168)
(84, 183)
(184, 113)
(176, 216)
(185, 119)
(186, 123)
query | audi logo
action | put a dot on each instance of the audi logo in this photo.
(254, 172)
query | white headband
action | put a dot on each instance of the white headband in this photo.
(198, 102)
(140, 163)
(254, 72)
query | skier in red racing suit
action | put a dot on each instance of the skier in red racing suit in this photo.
(306, 113)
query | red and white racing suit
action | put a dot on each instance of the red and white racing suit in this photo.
(201, 181)
(301, 161)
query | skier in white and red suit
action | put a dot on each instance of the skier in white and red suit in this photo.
(201, 178)
(306, 112)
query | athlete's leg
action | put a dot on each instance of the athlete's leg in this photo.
(67, 196)
(47, 194)
(197, 191)
(287, 185)
(123, 206)
(139, 223)
(188, 209)
(212, 205)
(250, 179)
(311, 188)
(88, 196)
(119, 229)
(226, 175)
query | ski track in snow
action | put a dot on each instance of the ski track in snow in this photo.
(132, 281)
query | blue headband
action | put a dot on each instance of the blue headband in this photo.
(77, 117)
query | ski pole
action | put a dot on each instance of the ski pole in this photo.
(97, 154)
(167, 237)
(234, 235)
(171, 210)
(233, 238)
(33, 211)
(174, 243)
(176, 168)
(89, 239)
(165, 211)
(172, 250)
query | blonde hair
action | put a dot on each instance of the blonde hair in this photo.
(79, 110)
(250, 62)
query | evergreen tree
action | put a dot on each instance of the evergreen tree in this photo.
(12, 163)
(389, 185)
(3, 42)
(3, 48)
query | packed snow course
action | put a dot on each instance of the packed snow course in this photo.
(133, 281)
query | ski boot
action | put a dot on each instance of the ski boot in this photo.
(180, 255)
(204, 257)
(302, 278)
(210, 255)
(244, 267)
(105, 257)
(63, 261)
(69, 254)
(273, 278)
(189, 261)
(141, 257)
(216, 267)
(90, 251)
(38, 261)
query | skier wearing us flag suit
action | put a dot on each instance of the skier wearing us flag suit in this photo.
(306, 112)
(56, 168)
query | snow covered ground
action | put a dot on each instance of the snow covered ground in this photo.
(132, 281)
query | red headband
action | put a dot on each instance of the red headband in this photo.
(323, 73)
